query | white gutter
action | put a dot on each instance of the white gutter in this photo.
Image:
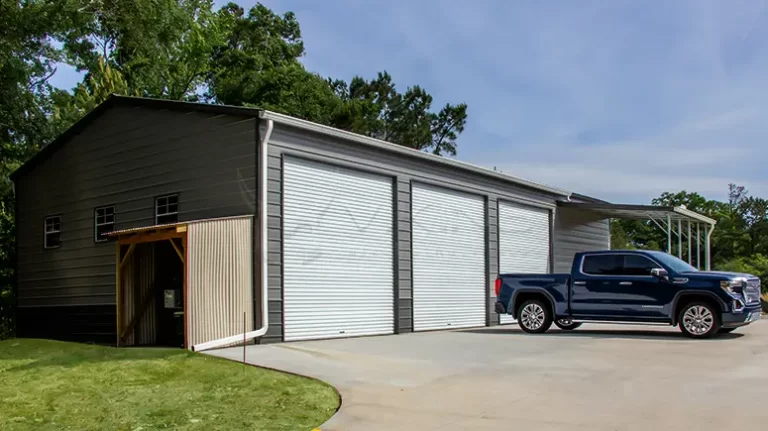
(263, 267)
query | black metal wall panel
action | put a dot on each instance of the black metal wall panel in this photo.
(126, 157)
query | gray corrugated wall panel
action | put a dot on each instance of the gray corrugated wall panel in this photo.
(274, 245)
(126, 157)
(493, 257)
(403, 256)
(577, 231)
(306, 142)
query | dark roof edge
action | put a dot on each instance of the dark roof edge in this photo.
(585, 198)
(610, 206)
(117, 100)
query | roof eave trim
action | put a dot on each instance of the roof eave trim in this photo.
(409, 152)
(694, 215)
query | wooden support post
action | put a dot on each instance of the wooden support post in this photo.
(118, 292)
(127, 255)
(178, 252)
(186, 292)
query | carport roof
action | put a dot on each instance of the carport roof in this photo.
(641, 212)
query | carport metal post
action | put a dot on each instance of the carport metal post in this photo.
(679, 238)
(698, 245)
(689, 243)
(669, 234)
(707, 251)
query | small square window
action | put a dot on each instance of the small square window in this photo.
(167, 209)
(104, 223)
(52, 232)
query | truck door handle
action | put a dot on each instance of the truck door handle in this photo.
(580, 283)
(625, 283)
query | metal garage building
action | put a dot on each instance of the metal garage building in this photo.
(163, 222)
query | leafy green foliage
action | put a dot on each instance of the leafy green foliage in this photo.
(740, 239)
(161, 47)
(258, 65)
(7, 259)
(756, 264)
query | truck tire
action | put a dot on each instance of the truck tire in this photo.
(534, 316)
(566, 324)
(699, 320)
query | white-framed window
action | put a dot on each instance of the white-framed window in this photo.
(103, 222)
(167, 209)
(52, 232)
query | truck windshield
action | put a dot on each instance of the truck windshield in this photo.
(671, 262)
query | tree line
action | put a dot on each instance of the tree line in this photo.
(182, 50)
(739, 242)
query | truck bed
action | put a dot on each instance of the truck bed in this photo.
(554, 285)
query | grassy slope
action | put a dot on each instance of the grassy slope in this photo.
(51, 385)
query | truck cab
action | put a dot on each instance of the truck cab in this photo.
(630, 286)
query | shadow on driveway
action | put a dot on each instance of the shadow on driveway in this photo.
(600, 333)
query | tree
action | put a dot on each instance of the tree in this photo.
(162, 48)
(741, 225)
(258, 65)
(27, 61)
(375, 108)
(252, 43)
(87, 95)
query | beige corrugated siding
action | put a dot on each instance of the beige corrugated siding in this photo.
(219, 278)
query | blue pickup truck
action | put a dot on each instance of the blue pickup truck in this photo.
(641, 287)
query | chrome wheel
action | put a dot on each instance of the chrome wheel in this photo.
(698, 320)
(532, 316)
(565, 322)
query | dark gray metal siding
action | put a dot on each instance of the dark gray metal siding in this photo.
(493, 256)
(294, 141)
(404, 292)
(577, 231)
(126, 158)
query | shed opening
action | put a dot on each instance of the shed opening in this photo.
(151, 287)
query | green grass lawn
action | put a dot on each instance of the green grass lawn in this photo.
(51, 385)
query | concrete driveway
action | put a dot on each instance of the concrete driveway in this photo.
(595, 378)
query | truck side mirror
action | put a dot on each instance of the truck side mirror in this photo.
(660, 273)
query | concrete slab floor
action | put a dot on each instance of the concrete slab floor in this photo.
(598, 377)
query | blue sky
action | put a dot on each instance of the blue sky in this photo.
(617, 99)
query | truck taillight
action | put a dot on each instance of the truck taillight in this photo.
(498, 286)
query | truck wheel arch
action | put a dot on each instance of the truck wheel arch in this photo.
(532, 292)
(689, 295)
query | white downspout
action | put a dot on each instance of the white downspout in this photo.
(263, 267)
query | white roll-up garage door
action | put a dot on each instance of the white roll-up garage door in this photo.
(523, 241)
(449, 281)
(338, 274)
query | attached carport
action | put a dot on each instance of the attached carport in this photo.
(678, 222)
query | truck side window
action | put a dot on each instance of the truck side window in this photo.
(602, 264)
(637, 265)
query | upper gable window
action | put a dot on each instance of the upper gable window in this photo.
(52, 232)
(104, 222)
(167, 209)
